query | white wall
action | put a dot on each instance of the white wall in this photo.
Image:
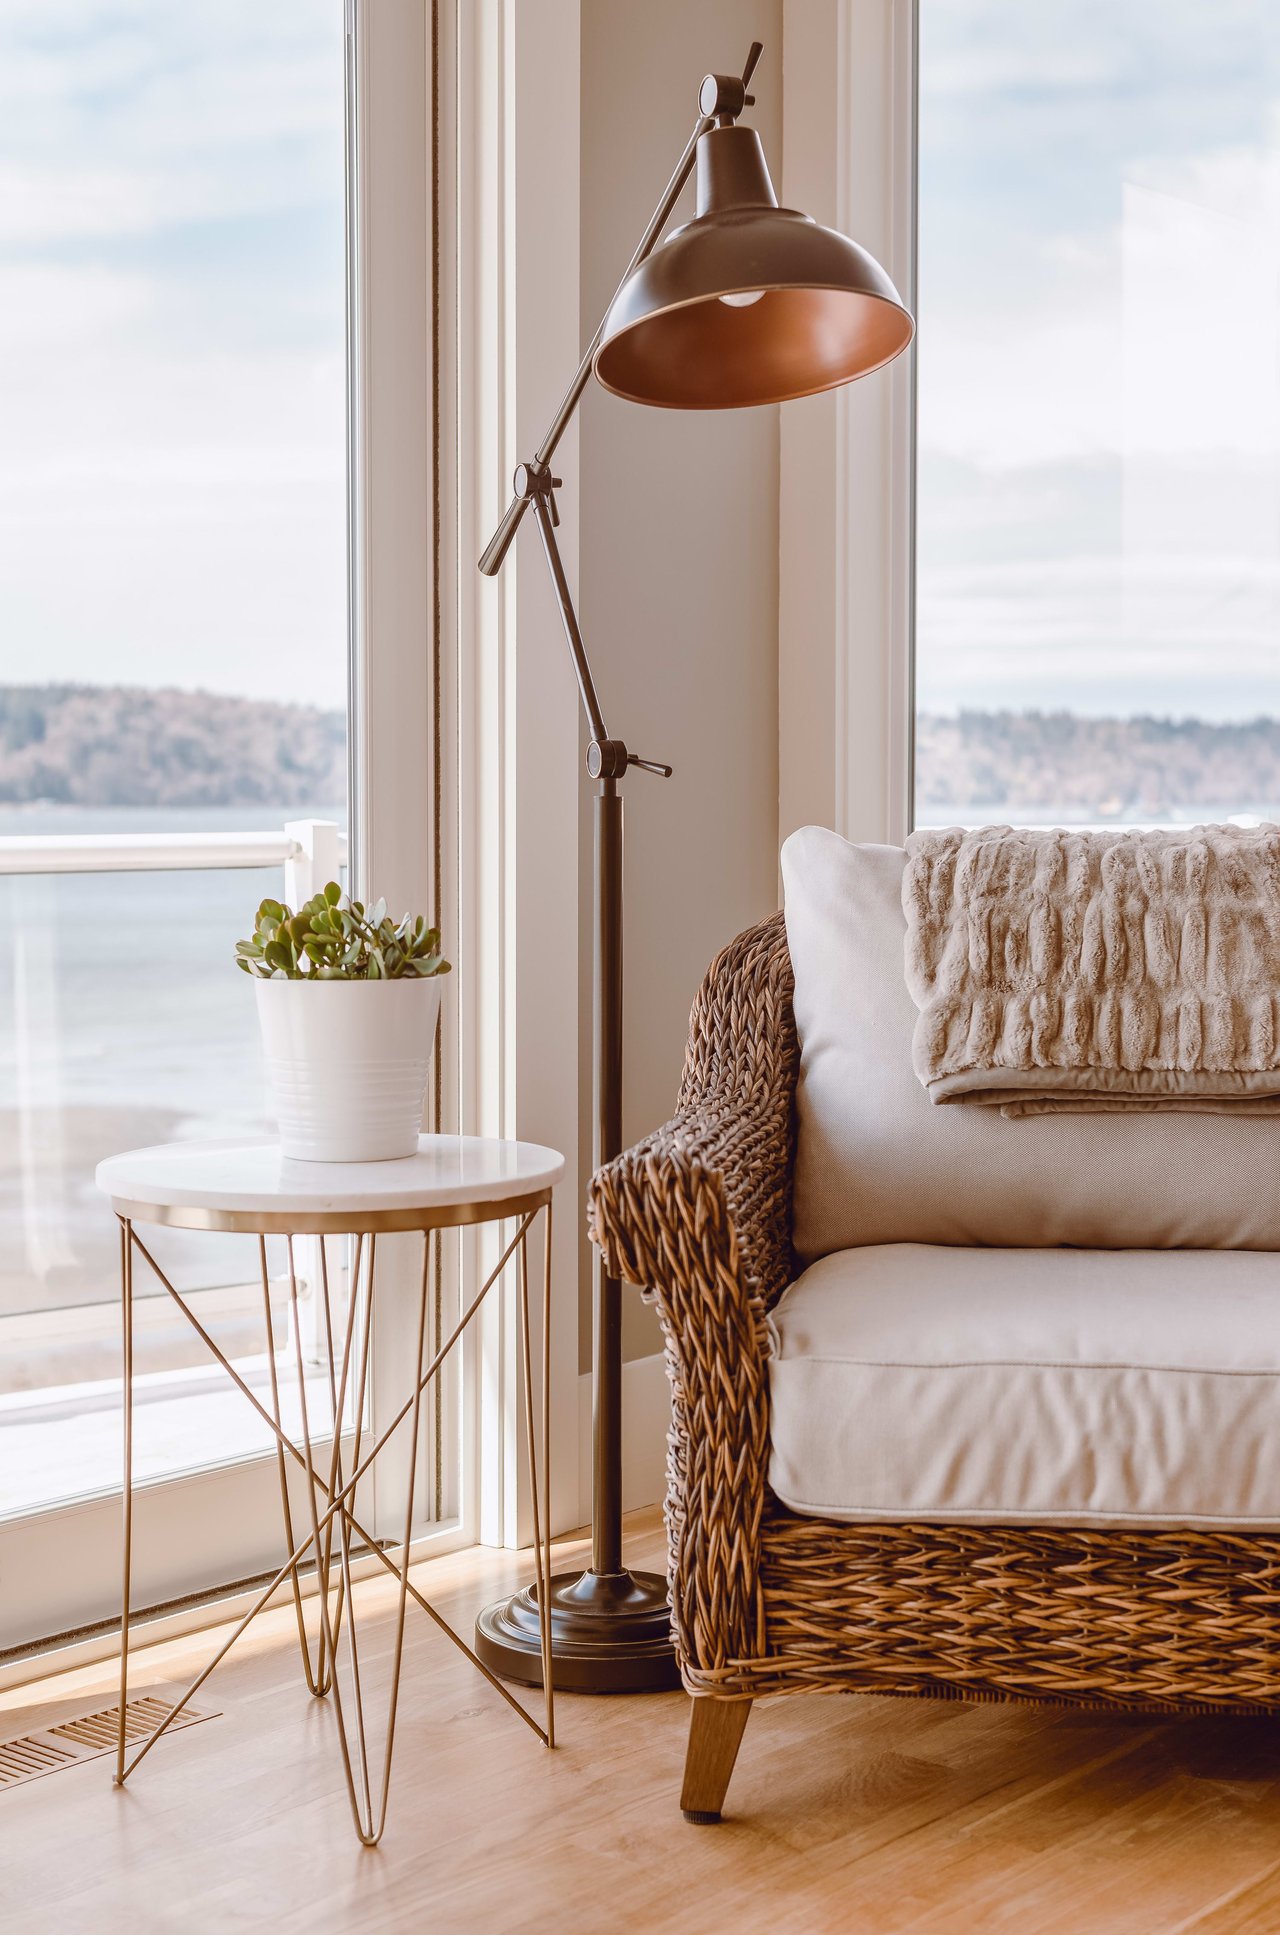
(679, 564)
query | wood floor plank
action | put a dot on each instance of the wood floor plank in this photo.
(1131, 1847)
(1252, 1910)
(877, 1815)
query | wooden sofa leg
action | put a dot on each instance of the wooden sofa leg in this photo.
(716, 1728)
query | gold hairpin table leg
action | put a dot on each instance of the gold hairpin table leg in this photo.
(331, 1503)
(317, 1676)
(126, 1394)
(541, 1513)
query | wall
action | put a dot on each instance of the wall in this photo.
(679, 566)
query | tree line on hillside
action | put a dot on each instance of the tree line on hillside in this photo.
(119, 745)
(1100, 768)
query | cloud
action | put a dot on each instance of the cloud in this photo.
(172, 385)
(1099, 389)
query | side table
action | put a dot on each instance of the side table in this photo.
(248, 1187)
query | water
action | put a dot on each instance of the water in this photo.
(123, 1022)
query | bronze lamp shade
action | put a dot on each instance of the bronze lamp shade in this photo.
(747, 303)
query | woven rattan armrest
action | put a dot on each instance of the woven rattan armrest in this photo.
(698, 1215)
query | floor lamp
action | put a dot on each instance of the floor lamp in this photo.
(747, 303)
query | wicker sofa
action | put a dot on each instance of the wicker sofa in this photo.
(767, 1599)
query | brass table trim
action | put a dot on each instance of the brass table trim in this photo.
(332, 1222)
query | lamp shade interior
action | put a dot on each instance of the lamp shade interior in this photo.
(748, 303)
(712, 355)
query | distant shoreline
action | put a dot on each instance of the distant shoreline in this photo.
(118, 746)
(1097, 768)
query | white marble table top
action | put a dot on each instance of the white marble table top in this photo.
(250, 1176)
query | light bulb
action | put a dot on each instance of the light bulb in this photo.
(743, 299)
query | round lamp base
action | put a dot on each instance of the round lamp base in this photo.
(610, 1633)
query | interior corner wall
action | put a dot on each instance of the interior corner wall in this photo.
(678, 542)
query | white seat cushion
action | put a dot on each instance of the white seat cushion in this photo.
(1072, 1386)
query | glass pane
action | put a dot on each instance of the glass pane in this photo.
(1098, 630)
(173, 607)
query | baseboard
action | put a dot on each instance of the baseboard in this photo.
(646, 1412)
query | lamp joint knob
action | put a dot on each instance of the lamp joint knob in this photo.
(607, 759)
(723, 96)
(534, 480)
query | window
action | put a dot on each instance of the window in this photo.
(173, 610)
(1098, 481)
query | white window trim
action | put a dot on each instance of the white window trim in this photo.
(511, 228)
(847, 512)
(390, 451)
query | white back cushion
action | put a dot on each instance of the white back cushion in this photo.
(878, 1162)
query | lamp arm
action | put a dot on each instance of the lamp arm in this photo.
(543, 506)
(500, 543)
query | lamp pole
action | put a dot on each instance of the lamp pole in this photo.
(610, 1628)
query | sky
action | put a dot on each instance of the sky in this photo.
(172, 398)
(1099, 350)
(1099, 356)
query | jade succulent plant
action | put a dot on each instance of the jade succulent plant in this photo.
(332, 938)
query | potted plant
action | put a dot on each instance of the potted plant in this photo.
(348, 1002)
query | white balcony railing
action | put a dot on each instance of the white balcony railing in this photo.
(74, 1344)
(311, 852)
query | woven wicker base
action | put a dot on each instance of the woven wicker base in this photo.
(1171, 1621)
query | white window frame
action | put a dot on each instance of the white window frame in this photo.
(847, 482)
(510, 341)
(396, 787)
(61, 1566)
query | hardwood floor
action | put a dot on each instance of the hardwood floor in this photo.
(860, 1815)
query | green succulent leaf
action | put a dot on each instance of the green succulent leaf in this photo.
(332, 938)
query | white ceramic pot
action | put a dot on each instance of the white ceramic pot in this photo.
(348, 1062)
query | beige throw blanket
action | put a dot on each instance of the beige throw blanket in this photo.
(1096, 971)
